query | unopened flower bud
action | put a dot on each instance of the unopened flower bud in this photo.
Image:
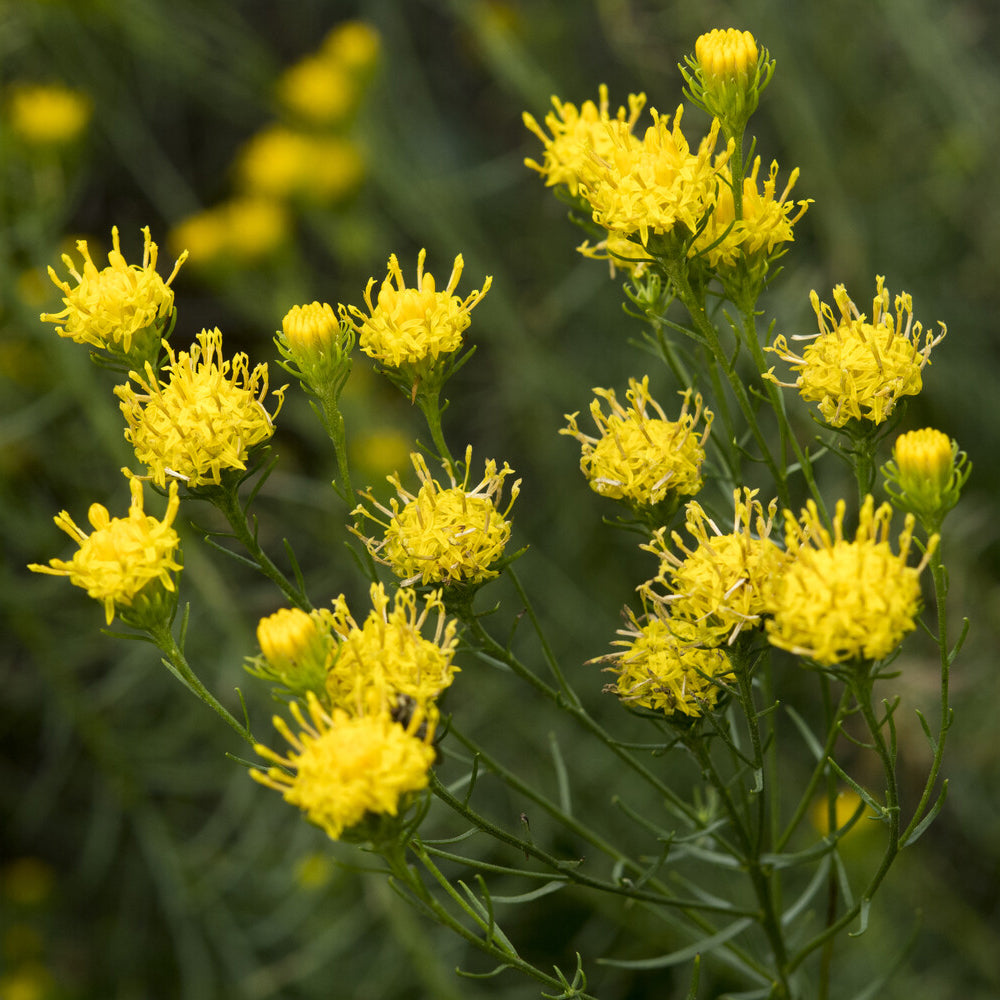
(294, 646)
(926, 475)
(313, 340)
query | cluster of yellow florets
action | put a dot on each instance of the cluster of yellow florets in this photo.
(203, 419)
(639, 458)
(579, 135)
(343, 768)
(111, 307)
(856, 368)
(413, 326)
(122, 556)
(840, 600)
(663, 665)
(444, 535)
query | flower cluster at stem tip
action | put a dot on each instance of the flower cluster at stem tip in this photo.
(926, 475)
(123, 557)
(638, 458)
(856, 368)
(203, 420)
(119, 307)
(444, 535)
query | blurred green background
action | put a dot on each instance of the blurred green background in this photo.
(135, 860)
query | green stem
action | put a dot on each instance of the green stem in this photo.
(429, 401)
(333, 422)
(227, 501)
(178, 665)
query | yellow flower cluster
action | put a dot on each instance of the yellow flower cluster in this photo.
(855, 368)
(413, 326)
(203, 420)
(721, 585)
(840, 600)
(341, 768)
(239, 232)
(47, 114)
(655, 185)
(116, 305)
(122, 556)
(766, 223)
(663, 666)
(578, 135)
(386, 664)
(444, 535)
(638, 458)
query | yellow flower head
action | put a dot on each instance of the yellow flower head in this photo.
(318, 91)
(47, 114)
(926, 475)
(722, 584)
(638, 458)
(663, 666)
(841, 600)
(413, 326)
(312, 328)
(122, 555)
(110, 308)
(726, 53)
(856, 368)
(204, 419)
(655, 186)
(726, 75)
(445, 535)
(578, 134)
(387, 659)
(344, 768)
(279, 162)
(766, 223)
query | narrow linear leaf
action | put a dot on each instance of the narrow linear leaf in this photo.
(921, 827)
(526, 897)
(683, 954)
(805, 732)
(562, 777)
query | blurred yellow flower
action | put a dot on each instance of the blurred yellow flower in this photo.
(110, 308)
(341, 768)
(122, 555)
(663, 666)
(444, 535)
(203, 420)
(47, 114)
(841, 600)
(577, 135)
(855, 368)
(766, 223)
(408, 326)
(722, 585)
(386, 661)
(379, 451)
(638, 458)
(317, 90)
(655, 186)
(355, 45)
(282, 163)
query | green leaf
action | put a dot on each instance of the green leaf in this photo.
(702, 946)
(922, 826)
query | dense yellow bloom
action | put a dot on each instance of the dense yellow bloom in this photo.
(318, 90)
(766, 223)
(344, 767)
(109, 308)
(726, 53)
(279, 162)
(409, 326)
(579, 134)
(47, 114)
(857, 368)
(722, 584)
(444, 535)
(654, 186)
(638, 458)
(386, 659)
(663, 666)
(841, 600)
(122, 555)
(239, 231)
(204, 419)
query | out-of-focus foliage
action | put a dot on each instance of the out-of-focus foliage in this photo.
(136, 860)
